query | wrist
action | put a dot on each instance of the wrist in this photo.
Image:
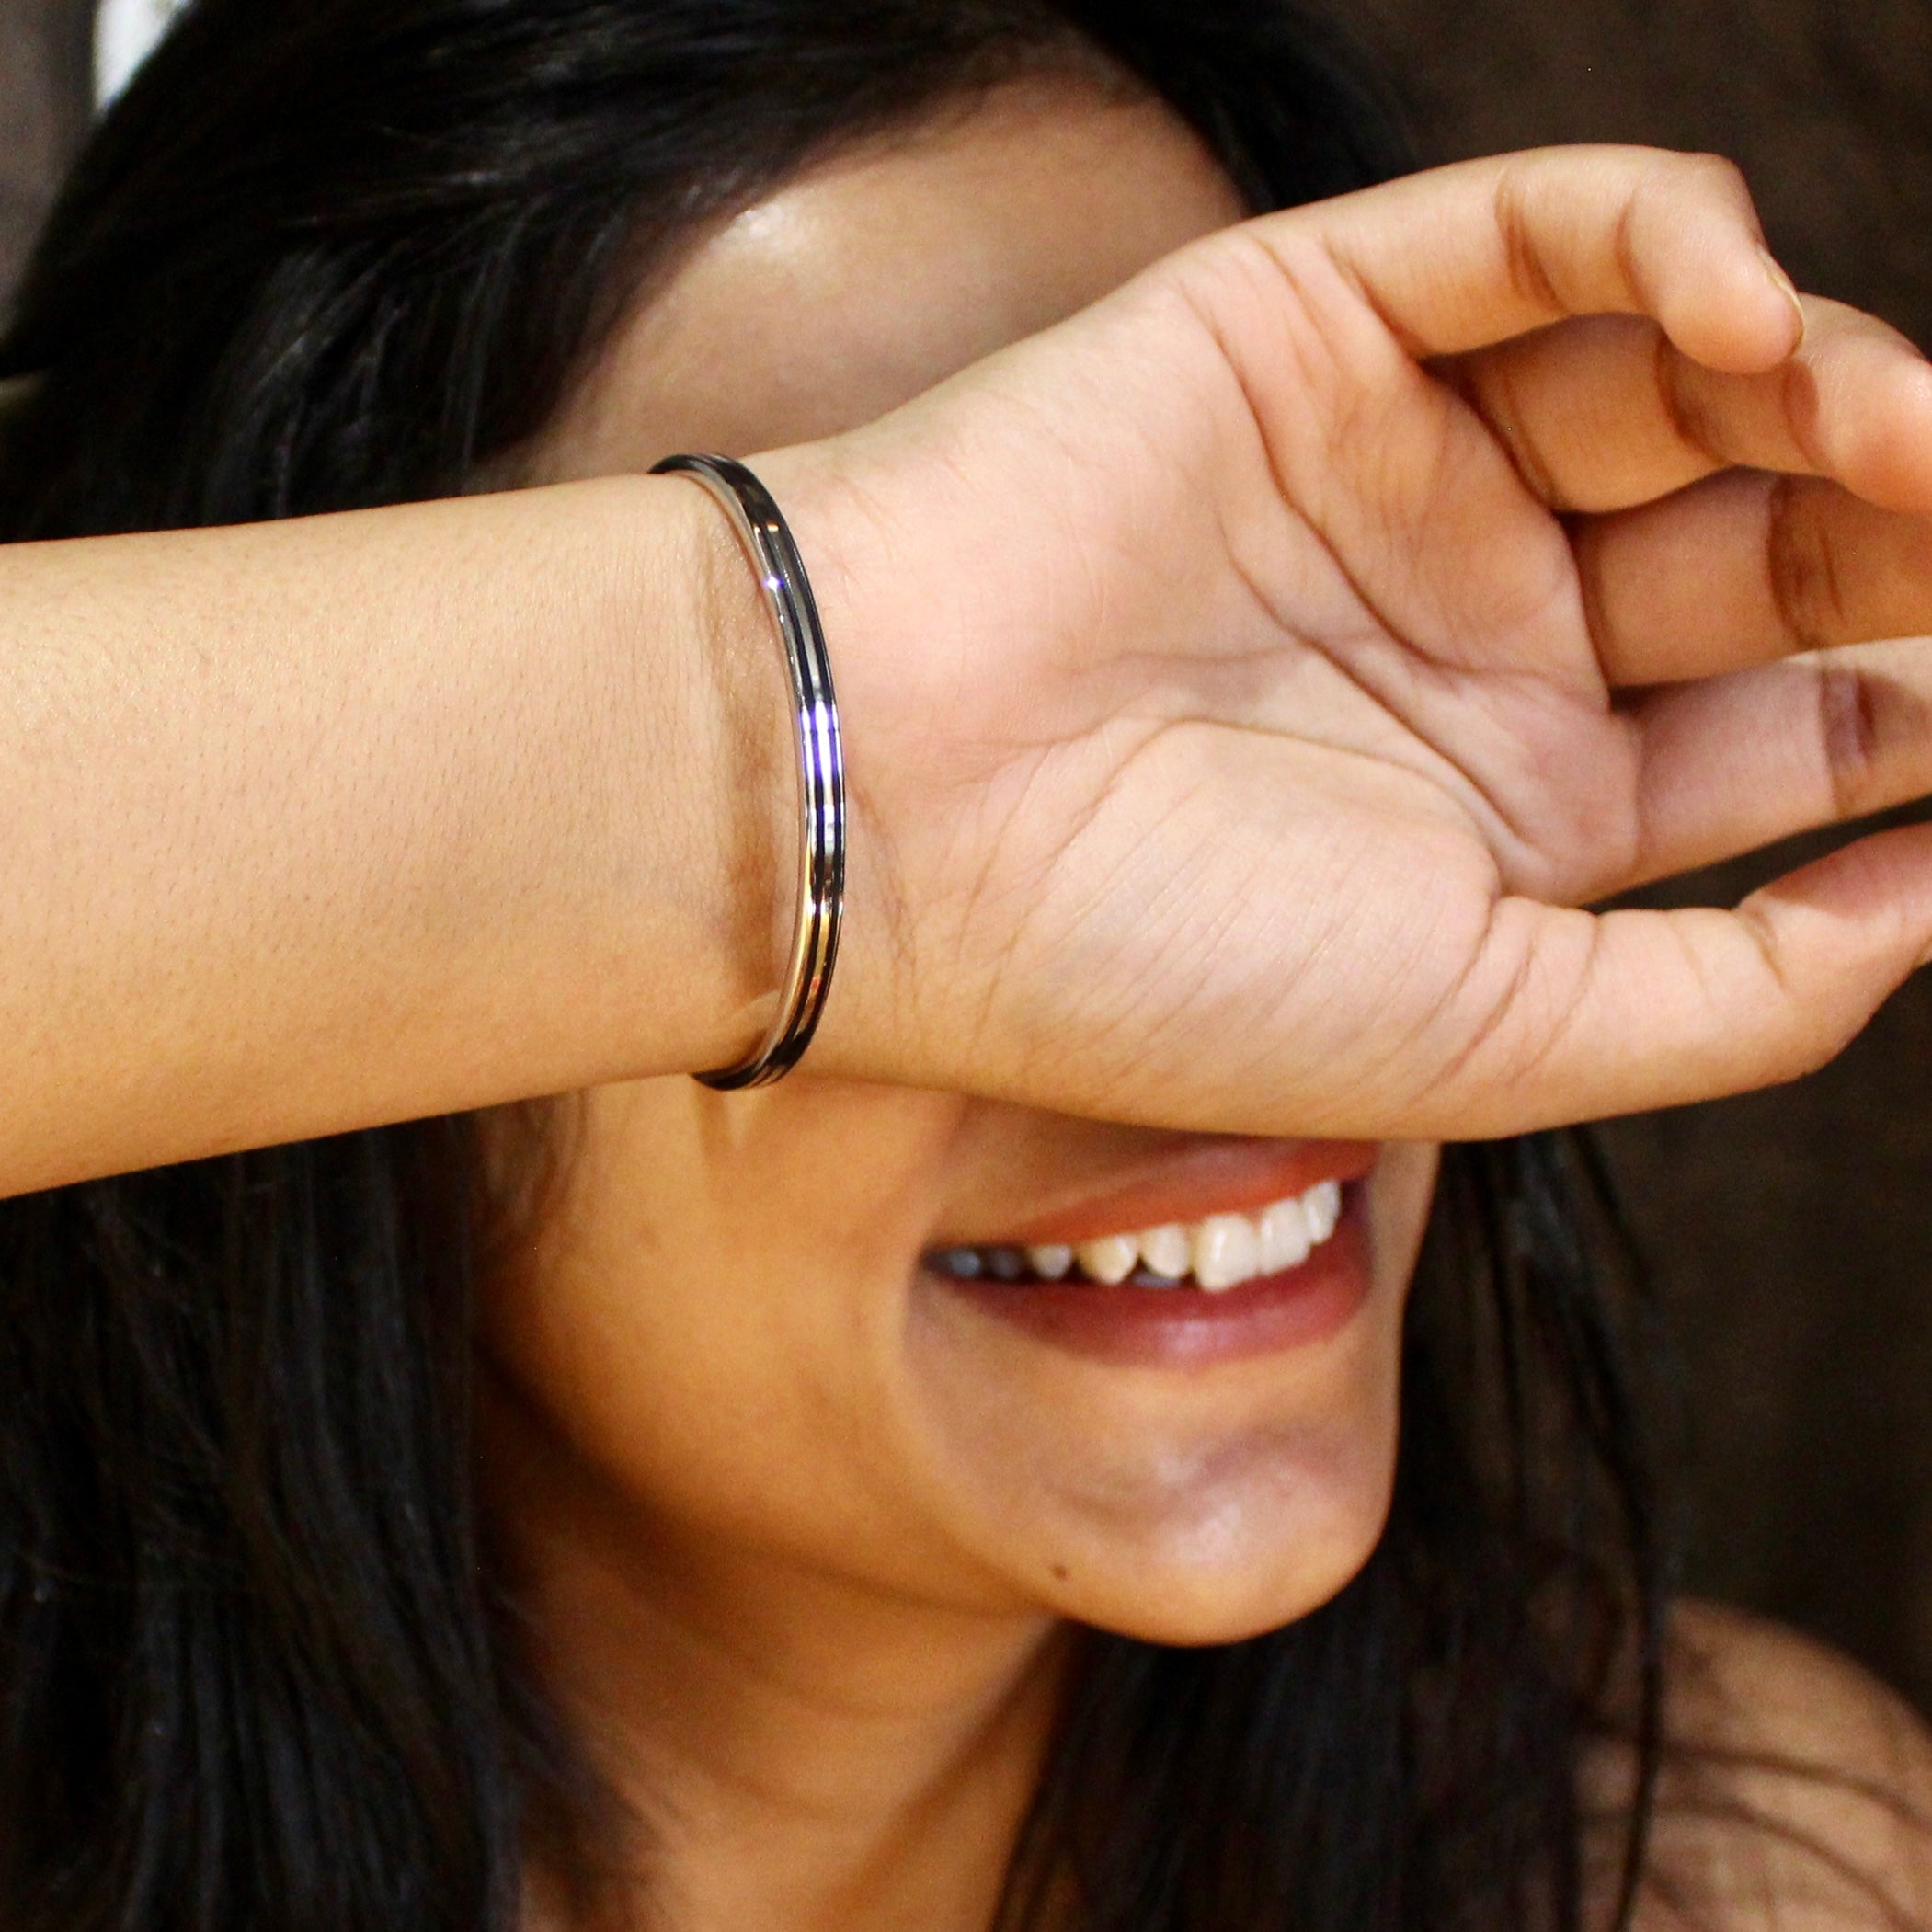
(728, 748)
(766, 539)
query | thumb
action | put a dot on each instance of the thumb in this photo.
(1593, 1015)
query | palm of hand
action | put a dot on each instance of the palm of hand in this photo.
(1261, 739)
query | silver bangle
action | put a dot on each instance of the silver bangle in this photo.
(821, 765)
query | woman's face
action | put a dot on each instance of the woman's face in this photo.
(744, 1329)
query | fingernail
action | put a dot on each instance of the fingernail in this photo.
(1775, 270)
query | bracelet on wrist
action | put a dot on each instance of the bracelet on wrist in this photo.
(767, 539)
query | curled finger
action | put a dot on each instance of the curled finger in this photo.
(1735, 763)
(1607, 412)
(1466, 257)
(1746, 567)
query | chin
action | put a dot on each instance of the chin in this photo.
(1179, 1528)
(1193, 1508)
(1181, 1469)
(1219, 1568)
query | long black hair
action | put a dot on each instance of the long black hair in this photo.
(255, 1665)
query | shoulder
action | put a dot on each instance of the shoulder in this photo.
(1797, 1791)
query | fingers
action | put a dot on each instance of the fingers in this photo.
(1462, 258)
(1576, 1017)
(1733, 763)
(1607, 412)
(1745, 569)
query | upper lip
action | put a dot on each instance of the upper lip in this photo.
(1188, 1184)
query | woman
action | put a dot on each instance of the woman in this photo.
(900, 1497)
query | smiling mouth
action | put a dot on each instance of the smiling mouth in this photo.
(1210, 1256)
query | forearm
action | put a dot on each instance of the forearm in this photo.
(315, 824)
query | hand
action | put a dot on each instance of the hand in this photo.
(1248, 682)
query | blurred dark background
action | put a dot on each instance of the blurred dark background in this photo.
(1791, 1232)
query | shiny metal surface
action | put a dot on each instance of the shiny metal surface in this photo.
(767, 539)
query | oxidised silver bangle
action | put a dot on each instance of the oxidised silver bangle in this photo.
(821, 764)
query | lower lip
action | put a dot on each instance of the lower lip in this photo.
(1186, 1328)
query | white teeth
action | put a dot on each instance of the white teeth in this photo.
(1220, 1253)
(1167, 1250)
(1227, 1249)
(1285, 1237)
(1323, 1206)
(1110, 1260)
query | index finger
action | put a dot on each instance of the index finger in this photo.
(1466, 257)
(1602, 413)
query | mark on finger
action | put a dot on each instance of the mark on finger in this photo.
(1807, 591)
(1868, 723)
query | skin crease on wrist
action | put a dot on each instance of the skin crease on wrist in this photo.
(797, 1522)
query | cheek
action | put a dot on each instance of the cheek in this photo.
(707, 1328)
(714, 1335)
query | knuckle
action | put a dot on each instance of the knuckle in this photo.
(1716, 176)
(1524, 262)
(1851, 732)
(1681, 399)
(1807, 591)
(1499, 399)
(1871, 726)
